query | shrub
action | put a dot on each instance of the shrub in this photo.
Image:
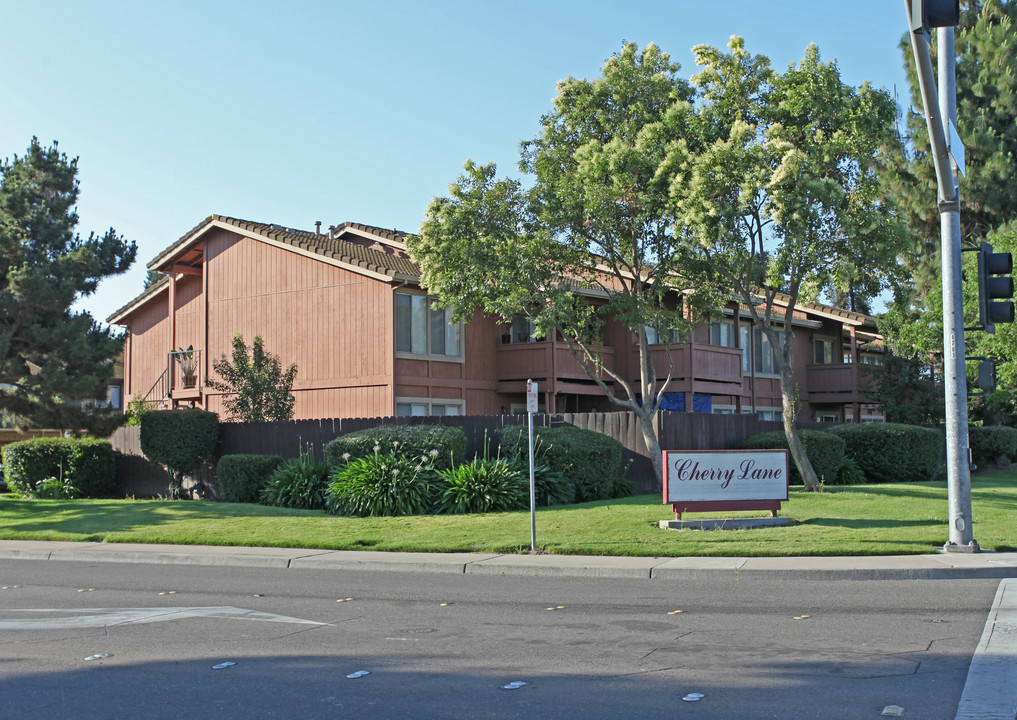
(298, 483)
(53, 489)
(990, 444)
(242, 477)
(381, 484)
(848, 473)
(823, 449)
(484, 485)
(591, 459)
(179, 440)
(86, 464)
(892, 452)
(409, 440)
(550, 487)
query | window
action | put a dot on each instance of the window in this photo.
(744, 333)
(822, 350)
(866, 359)
(658, 336)
(722, 333)
(424, 407)
(423, 329)
(760, 352)
(523, 329)
(772, 415)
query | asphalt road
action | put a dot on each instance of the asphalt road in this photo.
(445, 646)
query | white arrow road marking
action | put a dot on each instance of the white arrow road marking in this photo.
(105, 617)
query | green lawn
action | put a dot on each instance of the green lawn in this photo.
(859, 520)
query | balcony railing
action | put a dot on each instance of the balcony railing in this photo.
(838, 382)
(712, 368)
(547, 359)
(184, 370)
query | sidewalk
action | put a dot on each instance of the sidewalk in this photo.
(901, 567)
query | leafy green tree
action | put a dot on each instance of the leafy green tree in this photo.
(986, 49)
(906, 390)
(591, 238)
(54, 362)
(784, 178)
(257, 388)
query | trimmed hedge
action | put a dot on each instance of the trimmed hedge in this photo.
(591, 459)
(991, 443)
(823, 449)
(241, 478)
(413, 441)
(893, 452)
(179, 439)
(86, 463)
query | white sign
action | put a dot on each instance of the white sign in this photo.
(531, 396)
(719, 476)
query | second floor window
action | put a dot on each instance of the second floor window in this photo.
(822, 350)
(722, 333)
(760, 353)
(423, 329)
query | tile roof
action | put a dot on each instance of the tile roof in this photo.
(335, 248)
(350, 254)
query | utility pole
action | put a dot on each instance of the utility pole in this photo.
(939, 116)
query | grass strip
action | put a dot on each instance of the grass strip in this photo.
(888, 519)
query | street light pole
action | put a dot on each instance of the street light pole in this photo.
(938, 117)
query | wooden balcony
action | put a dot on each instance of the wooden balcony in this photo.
(185, 376)
(696, 368)
(838, 383)
(548, 361)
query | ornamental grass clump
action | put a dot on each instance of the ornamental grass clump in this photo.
(386, 483)
(298, 483)
(483, 485)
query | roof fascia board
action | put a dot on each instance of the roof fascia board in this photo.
(149, 293)
(368, 235)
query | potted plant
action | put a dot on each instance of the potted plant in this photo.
(188, 366)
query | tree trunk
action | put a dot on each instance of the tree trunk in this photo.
(794, 440)
(647, 425)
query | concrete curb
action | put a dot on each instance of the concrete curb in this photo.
(896, 567)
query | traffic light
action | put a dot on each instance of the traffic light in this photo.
(995, 288)
(927, 14)
(986, 375)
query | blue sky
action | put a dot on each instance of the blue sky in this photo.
(363, 111)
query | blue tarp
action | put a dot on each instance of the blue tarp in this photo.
(675, 402)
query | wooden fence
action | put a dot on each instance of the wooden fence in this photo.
(9, 435)
(677, 431)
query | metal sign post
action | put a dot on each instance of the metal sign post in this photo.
(531, 408)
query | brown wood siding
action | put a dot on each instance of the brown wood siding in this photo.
(189, 315)
(336, 325)
(149, 327)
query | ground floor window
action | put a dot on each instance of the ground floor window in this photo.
(428, 408)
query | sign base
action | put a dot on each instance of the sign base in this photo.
(725, 523)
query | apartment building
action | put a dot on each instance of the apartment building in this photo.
(346, 306)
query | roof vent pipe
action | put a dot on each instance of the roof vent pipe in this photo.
(317, 227)
(331, 232)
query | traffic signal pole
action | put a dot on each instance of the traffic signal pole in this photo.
(938, 113)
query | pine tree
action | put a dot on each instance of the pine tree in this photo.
(55, 363)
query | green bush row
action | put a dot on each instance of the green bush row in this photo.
(892, 452)
(592, 460)
(241, 478)
(875, 452)
(992, 444)
(824, 450)
(85, 464)
(444, 445)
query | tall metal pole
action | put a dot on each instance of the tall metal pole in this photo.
(938, 116)
(957, 449)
